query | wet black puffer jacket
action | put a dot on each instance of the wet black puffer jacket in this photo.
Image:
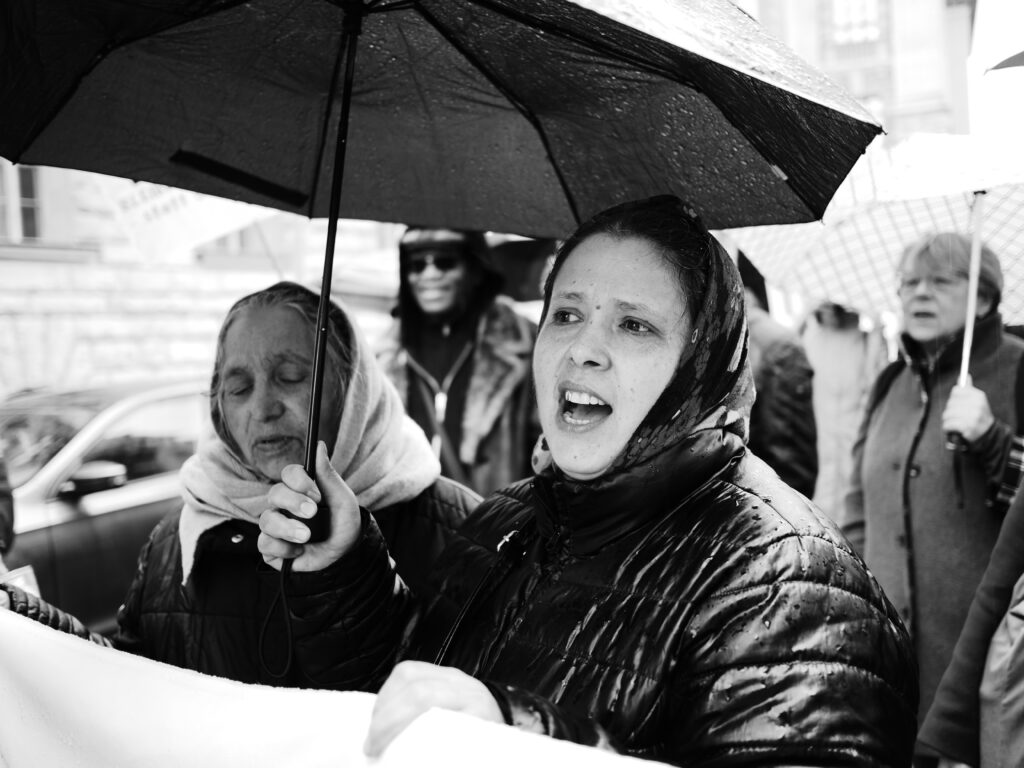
(213, 623)
(715, 623)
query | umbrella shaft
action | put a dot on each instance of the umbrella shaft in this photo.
(972, 288)
(350, 35)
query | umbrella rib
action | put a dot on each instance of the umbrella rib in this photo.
(237, 176)
(343, 45)
(515, 102)
(616, 53)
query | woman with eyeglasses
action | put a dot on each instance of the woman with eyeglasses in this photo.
(655, 588)
(936, 464)
(459, 354)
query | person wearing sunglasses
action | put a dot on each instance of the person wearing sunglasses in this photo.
(935, 464)
(459, 354)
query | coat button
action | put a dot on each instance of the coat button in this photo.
(896, 466)
(915, 470)
(901, 540)
(237, 538)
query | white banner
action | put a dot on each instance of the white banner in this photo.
(166, 223)
(70, 703)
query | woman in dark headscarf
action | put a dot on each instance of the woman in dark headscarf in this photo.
(655, 588)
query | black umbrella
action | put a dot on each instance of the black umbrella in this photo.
(519, 116)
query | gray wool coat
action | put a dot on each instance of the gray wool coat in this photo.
(926, 518)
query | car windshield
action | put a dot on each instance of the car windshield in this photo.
(32, 433)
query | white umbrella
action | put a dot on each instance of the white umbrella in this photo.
(927, 184)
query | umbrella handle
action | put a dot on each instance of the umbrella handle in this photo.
(972, 286)
(954, 440)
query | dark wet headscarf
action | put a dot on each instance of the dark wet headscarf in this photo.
(712, 387)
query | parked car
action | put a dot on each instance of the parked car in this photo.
(92, 472)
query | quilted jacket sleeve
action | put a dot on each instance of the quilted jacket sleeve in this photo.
(39, 610)
(794, 658)
(349, 620)
(529, 712)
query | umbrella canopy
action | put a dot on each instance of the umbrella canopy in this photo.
(520, 116)
(927, 184)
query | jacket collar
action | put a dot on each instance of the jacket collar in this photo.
(501, 361)
(591, 515)
(988, 335)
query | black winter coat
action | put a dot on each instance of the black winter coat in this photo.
(213, 623)
(706, 615)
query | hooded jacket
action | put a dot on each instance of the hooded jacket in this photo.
(926, 518)
(685, 606)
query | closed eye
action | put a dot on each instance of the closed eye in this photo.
(291, 373)
(237, 383)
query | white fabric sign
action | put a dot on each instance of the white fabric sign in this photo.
(70, 703)
(167, 221)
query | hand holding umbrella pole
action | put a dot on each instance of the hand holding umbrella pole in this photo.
(954, 440)
(320, 524)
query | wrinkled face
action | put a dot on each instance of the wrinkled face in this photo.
(934, 299)
(437, 277)
(265, 382)
(614, 333)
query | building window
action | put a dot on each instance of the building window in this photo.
(29, 203)
(19, 203)
(855, 21)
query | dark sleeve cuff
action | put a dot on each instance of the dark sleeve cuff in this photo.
(1001, 454)
(529, 712)
(37, 609)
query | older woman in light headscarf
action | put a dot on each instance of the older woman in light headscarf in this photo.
(201, 598)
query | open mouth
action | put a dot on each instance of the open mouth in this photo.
(581, 409)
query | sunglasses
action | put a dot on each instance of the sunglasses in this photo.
(442, 262)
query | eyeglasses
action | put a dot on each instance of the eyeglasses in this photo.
(441, 261)
(944, 283)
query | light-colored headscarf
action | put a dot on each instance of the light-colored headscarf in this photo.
(382, 454)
